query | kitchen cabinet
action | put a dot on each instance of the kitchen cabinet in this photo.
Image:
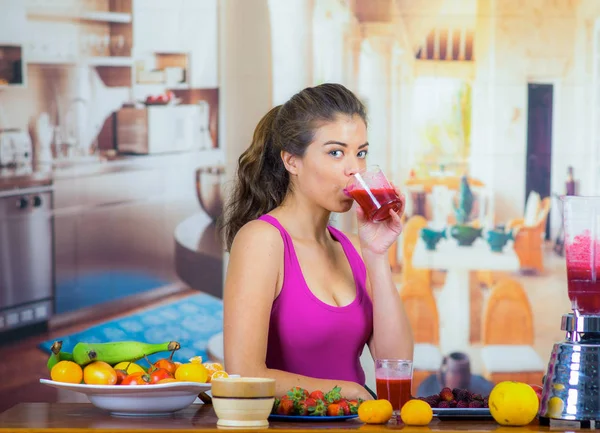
(115, 230)
(12, 22)
(182, 26)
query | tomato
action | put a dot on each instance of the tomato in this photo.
(121, 374)
(166, 365)
(136, 379)
(159, 374)
(99, 373)
(66, 371)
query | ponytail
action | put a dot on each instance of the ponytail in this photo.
(261, 182)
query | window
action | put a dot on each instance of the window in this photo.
(442, 125)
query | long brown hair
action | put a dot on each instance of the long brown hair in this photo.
(262, 181)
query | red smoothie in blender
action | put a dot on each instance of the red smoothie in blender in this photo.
(583, 274)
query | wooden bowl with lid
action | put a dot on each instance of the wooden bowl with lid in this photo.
(243, 401)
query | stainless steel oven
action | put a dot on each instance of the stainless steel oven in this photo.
(26, 258)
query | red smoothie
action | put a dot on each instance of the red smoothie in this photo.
(377, 203)
(583, 276)
(396, 391)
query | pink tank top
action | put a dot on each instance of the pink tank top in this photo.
(310, 337)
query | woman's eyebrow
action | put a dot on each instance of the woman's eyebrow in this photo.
(344, 144)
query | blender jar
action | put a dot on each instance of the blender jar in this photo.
(582, 246)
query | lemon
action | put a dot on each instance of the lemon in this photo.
(416, 412)
(513, 403)
(129, 367)
(196, 360)
(192, 372)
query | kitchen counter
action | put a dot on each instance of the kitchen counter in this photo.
(83, 417)
(20, 179)
(103, 164)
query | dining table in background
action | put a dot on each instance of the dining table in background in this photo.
(453, 301)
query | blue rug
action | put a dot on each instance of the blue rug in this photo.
(98, 287)
(191, 321)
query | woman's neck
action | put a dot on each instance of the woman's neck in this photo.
(303, 220)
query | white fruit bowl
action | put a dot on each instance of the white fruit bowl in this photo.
(140, 400)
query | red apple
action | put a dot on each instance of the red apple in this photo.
(538, 391)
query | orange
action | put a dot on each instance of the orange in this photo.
(375, 411)
(99, 373)
(67, 371)
(167, 380)
(219, 374)
(212, 367)
(416, 412)
(513, 403)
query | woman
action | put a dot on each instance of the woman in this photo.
(300, 302)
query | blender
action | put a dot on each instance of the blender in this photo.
(571, 390)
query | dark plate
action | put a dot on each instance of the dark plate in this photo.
(302, 418)
(458, 413)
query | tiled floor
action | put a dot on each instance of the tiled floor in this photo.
(548, 297)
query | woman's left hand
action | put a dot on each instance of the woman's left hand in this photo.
(377, 237)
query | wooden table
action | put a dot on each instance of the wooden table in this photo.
(83, 417)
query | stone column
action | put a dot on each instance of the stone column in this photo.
(375, 85)
(245, 83)
(245, 76)
(292, 47)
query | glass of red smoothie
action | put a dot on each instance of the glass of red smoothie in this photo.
(394, 381)
(582, 247)
(374, 193)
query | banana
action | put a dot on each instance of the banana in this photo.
(119, 351)
(56, 356)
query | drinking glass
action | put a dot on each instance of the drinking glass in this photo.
(374, 193)
(394, 381)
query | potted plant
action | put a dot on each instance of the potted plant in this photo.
(464, 233)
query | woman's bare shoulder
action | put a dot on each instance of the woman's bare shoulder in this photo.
(257, 236)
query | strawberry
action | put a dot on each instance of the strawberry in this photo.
(304, 407)
(333, 395)
(275, 405)
(334, 409)
(297, 393)
(345, 406)
(300, 408)
(317, 395)
(320, 408)
(475, 404)
(353, 406)
(286, 406)
(446, 394)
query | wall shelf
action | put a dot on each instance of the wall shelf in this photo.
(99, 16)
(89, 61)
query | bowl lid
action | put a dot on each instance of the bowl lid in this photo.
(243, 387)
